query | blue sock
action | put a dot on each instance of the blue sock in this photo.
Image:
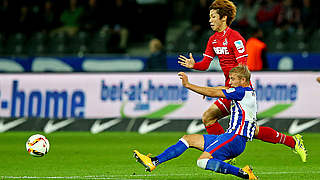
(222, 167)
(172, 152)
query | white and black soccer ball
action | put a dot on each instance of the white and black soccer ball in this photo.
(37, 145)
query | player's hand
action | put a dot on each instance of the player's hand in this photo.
(184, 78)
(186, 62)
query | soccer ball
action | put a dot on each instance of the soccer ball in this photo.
(37, 145)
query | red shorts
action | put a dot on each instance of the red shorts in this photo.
(224, 105)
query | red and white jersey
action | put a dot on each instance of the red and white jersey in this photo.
(229, 47)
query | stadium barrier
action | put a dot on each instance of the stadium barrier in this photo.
(143, 125)
(148, 95)
(113, 63)
(146, 102)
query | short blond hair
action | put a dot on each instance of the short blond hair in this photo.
(242, 71)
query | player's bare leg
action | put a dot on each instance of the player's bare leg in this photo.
(195, 141)
(210, 120)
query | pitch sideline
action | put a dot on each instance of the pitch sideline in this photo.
(137, 175)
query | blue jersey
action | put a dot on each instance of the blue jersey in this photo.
(243, 111)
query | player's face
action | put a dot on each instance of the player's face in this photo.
(215, 22)
(235, 80)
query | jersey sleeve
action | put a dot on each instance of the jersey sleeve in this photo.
(234, 93)
(239, 48)
(208, 56)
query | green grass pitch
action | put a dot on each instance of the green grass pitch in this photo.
(81, 155)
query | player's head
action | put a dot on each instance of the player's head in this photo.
(239, 76)
(222, 12)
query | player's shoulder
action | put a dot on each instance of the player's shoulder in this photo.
(233, 34)
(239, 89)
(212, 37)
(235, 89)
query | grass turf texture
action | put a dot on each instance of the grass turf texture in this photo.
(81, 155)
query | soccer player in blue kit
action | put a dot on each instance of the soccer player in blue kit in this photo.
(217, 148)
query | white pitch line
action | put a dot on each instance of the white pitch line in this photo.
(53, 177)
(136, 175)
(308, 172)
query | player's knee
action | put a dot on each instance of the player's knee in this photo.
(185, 139)
(208, 118)
(204, 118)
(202, 163)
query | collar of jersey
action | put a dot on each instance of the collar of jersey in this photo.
(247, 88)
(223, 33)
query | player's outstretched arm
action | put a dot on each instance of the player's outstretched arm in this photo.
(186, 62)
(206, 91)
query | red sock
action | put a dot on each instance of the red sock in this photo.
(215, 129)
(270, 135)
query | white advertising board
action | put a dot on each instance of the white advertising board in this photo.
(151, 95)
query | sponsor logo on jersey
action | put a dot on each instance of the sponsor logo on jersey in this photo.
(230, 90)
(239, 45)
(221, 50)
(225, 43)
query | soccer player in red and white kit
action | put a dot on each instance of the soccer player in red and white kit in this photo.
(229, 46)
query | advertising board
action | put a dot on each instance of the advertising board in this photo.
(148, 95)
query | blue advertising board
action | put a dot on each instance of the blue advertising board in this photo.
(276, 61)
(71, 64)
